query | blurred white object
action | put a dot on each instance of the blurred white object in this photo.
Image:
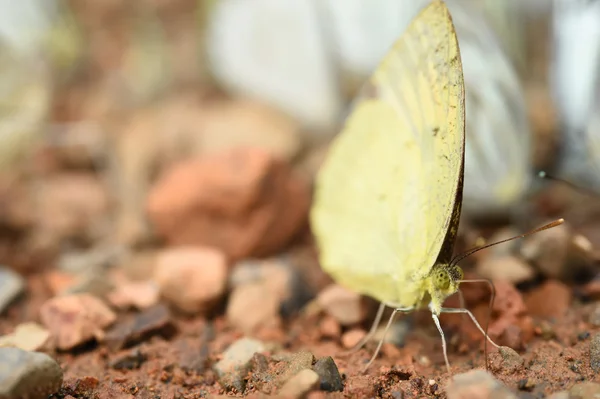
(575, 83)
(274, 50)
(289, 53)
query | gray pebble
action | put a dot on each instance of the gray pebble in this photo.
(234, 365)
(330, 378)
(28, 375)
(477, 384)
(595, 352)
(11, 285)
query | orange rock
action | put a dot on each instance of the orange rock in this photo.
(75, 319)
(138, 294)
(352, 337)
(344, 305)
(244, 201)
(550, 300)
(192, 278)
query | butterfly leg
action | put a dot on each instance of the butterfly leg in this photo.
(436, 320)
(371, 332)
(468, 312)
(387, 327)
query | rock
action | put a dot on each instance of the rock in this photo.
(244, 201)
(70, 205)
(75, 319)
(508, 267)
(235, 363)
(29, 375)
(252, 306)
(477, 384)
(352, 337)
(226, 125)
(83, 261)
(136, 294)
(595, 352)
(329, 375)
(551, 300)
(138, 327)
(300, 384)
(585, 390)
(139, 265)
(594, 317)
(93, 282)
(129, 361)
(344, 305)
(548, 250)
(298, 362)
(507, 360)
(330, 328)
(58, 282)
(27, 336)
(559, 395)
(192, 278)
(11, 286)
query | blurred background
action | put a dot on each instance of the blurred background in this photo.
(142, 140)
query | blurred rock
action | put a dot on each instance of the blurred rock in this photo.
(138, 327)
(344, 305)
(11, 286)
(28, 374)
(235, 363)
(477, 384)
(595, 353)
(28, 336)
(280, 276)
(92, 282)
(330, 378)
(352, 337)
(329, 327)
(96, 258)
(550, 300)
(139, 265)
(58, 281)
(252, 306)
(71, 205)
(244, 201)
(585, 390)
(594, 317)
(508, 267)
(192, 278)
(137, 294)
(75, 319)
(559, 253)
(300, 384)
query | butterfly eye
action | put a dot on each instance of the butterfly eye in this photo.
(441, 279)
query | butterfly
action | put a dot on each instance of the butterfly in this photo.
(387, 199)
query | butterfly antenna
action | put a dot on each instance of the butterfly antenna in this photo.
(470, 252)
(544, 175)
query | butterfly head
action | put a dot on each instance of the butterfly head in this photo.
(444, 280)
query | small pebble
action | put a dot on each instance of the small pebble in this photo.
(138, 327)
(330, 378)
(31, 375)
(27, 336)
(508, 267)
(135, 294)
(75, 319)
(594, 317)
(252, 306)
(11, 285)
(477, 384)
(342, 304)
(548, 250)
(129, 361)
(192, 278)
(352, 337)
(559, 395)
(329, 327)
(297, 362)
(507, 360)
(235, 363)
(299, 385)
(595, 352)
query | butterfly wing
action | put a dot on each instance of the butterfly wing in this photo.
(387, 197)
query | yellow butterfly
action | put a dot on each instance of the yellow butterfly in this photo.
(387, 198)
